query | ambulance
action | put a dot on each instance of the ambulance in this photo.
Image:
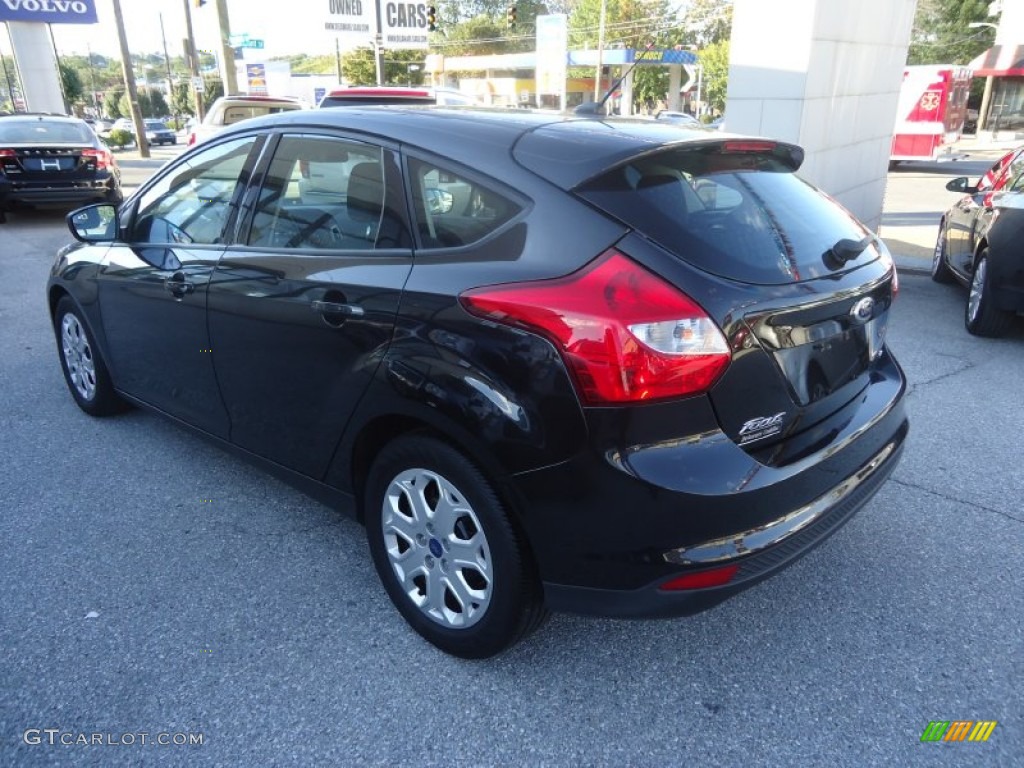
(931, 113)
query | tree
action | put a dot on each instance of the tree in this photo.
(71, 83)
(941, 34)
(360, 68)
(112, 103)
(214, 90)
(714, 60)
(151, 104)
(182, 100)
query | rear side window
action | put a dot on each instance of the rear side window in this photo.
(452, 209)
(741, 214)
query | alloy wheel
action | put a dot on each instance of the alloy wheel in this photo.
(437, 548)
(977, 290)
(78, 356)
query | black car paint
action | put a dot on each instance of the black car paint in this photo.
(983, 218)
(415, 360)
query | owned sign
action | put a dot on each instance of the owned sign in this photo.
(49, 11)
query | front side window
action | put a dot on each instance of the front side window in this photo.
(452, 209)
(324, 192)
(190, 204)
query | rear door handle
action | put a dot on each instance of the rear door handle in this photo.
(336, 308)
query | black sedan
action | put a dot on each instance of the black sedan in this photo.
(607, 366)
(981, 245)
(53, 159)
(157, 132)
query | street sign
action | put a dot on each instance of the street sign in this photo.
(237, 40)
(198, 84)
(250, 42)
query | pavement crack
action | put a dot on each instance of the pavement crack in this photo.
(955, 499)
(967, 365)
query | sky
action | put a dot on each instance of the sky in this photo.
(292, 26)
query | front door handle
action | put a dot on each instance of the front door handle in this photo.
(336, 308)
(177, 286)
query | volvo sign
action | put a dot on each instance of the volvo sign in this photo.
(49, 11)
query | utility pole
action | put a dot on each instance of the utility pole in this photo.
(227, 51)
(193, 60)
(600, 51)
(170, 77)
(129, 82)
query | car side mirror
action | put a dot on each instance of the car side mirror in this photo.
(961, 184)
(94, 223)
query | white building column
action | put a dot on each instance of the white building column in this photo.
(37, 66)
(826, 75)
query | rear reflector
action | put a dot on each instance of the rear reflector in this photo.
(626, 335)
(716, 577)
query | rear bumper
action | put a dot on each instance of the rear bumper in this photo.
(609, 529)
(31, 192)
(775, 550)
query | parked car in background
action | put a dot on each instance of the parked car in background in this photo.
(54, 159)
(981, 245)
(604, 366)
(367, 95)
(228, 110)
(683, 119)
(157, 132)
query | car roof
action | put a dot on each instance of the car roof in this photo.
(547, 144)
(27, 116)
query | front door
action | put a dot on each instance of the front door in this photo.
(154, 286)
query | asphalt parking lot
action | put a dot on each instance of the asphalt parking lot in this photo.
(154, 584)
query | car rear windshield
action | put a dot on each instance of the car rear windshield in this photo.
(733, 209)
(238, 113)
(45, 132)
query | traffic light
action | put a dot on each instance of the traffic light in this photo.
(510, 17)
(198, 3)
(431, 18)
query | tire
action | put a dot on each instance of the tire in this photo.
(982, 318)
(84, 370)
(941, 273)
(427, 505)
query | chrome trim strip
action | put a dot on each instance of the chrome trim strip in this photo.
(770, 534)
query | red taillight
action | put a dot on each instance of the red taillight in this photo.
(625, 333)
(716, 577)
(191, 138)
(7, 153)
(102, 156)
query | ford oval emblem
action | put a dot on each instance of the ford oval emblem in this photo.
(863, 310)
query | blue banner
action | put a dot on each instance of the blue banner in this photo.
(653, 55)
(49, 11)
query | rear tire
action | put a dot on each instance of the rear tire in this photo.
(446, 551)
(941, 273)
(85, 372)
(982, 317)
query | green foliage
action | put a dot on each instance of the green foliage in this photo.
(303, 64)
(71, 83)
(119, 137)
(479, 36)
(214, 90)
(715, 78)
(359, 68)
(112, 103)
(151, 104)
(941, 34)
(182, 100)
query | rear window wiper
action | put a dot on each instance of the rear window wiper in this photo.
(845, 250)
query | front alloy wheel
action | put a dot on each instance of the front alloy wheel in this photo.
(447, 551)
(983, 318)
(80, 360)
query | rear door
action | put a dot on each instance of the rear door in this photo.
(302, 308)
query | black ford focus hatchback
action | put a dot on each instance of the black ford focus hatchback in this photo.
(603, 366)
